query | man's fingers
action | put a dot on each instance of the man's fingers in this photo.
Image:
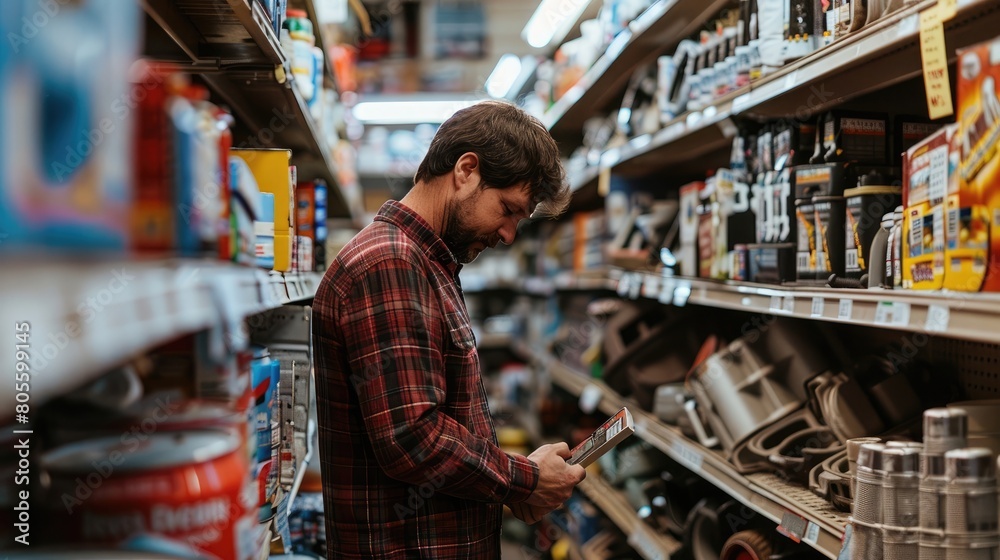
(562, 450)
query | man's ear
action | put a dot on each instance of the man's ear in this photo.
(467, 172)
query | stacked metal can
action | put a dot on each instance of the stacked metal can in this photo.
(944, 430)
(901, 502)
(866, 516)
(971, 505)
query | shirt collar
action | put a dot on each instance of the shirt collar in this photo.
(417, 229)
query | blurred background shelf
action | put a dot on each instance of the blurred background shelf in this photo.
(659, 29)
(650, 544)
(231, 44)
(965, 315)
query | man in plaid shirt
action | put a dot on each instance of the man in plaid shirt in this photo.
(411, 466)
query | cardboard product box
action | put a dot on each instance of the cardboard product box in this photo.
(270, 167)
(66, 176)
(305, 210)
(823, 180)
(855, 136)
(974, 207)
(688, 229)
(925, 185)
(907, 132)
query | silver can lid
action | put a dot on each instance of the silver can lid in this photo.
(942, 423)
(870, 456)
(901, 460)
(970, 462)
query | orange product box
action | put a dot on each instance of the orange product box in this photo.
(974, 206)
(270, 167)
(925, 186)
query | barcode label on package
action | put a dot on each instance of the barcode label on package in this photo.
(916, 234)
(852, 260)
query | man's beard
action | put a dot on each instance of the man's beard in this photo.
(459, 236)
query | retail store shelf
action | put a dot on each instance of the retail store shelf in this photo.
(85, 318)
(538, 286)
(965, 315)
(657, 30)
(764, 494)
(231, 44)
(584, 179)
(310, 7)
(879, 56)
(649, 543)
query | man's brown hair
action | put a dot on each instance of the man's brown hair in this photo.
(513, 148)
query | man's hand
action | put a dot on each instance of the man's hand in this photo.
(556, 477)
(528, 514)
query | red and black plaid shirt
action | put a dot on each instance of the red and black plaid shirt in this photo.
(411, 467)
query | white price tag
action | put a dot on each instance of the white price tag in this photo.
(590, 397)
(892, 313)
(776, 303)
(937, 318)
(651, 286)
(635, 288)
(740, 102)
(623, 284)
(667, 290)
(788, 304)
(818, 304)
(790, 80)
(687, 455)
(845, 309)
(812, 533)
(901, 314)
(681, 294)
(908, 25)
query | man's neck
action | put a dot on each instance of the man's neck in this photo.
(428, 201)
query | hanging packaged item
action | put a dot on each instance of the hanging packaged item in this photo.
(674, 74)
(974, 201)
(687, 256)
(925, 184)
(866, 205)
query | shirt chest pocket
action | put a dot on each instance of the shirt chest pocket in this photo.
(460, 331)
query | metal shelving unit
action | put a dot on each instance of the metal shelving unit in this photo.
(872, 59)
(657, 30)
(86, 318)
(765, 494)
(964, 315)
(231, 44)
(649, 543)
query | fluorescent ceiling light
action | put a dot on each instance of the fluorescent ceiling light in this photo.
(409, 112)
(503, 76)
(552, 20)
